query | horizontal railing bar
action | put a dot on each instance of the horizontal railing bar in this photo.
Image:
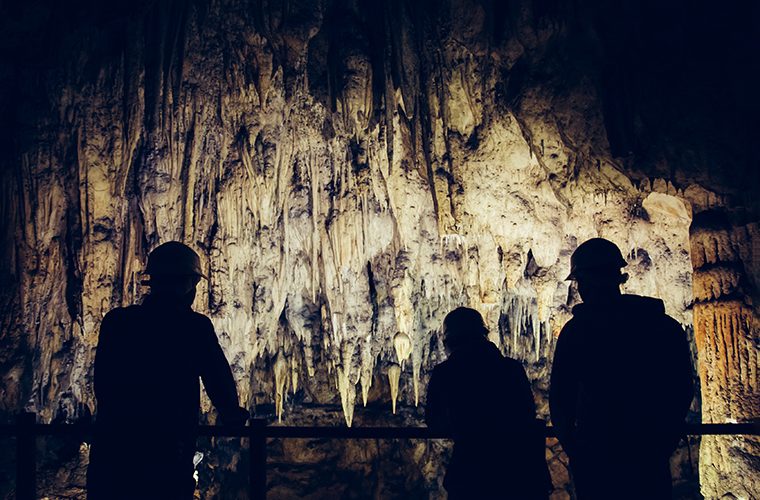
(354, 432)
(277, 431)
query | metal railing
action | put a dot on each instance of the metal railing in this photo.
(26, 431)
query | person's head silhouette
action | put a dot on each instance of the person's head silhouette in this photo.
(463, 326)
(175, 270)
(595, 266)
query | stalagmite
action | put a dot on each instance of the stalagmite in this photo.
(280, 383)
(394, 374)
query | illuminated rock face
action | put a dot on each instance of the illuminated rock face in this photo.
(726, 328)
(348, 176)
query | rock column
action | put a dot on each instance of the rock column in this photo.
(724, 251)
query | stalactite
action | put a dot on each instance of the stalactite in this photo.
(294, 375)
(394, 374)
(416, 383)
(280, 369)
(347, 390)
(367, 368)
(403, 347)
(366, 383)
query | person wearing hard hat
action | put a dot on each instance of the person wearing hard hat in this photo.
(484, 400)
(621, 383)
(149, 360)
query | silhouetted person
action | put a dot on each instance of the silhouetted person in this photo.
(621, 383)
(149, 360)
(484, 399)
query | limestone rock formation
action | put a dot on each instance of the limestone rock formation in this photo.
(726, 326)
(350, 172)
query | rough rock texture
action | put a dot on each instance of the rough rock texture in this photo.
(724, 251)
(349, 172)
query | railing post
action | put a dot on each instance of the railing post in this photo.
(257, 473)
(26, 460)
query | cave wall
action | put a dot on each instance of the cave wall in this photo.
(349, 173)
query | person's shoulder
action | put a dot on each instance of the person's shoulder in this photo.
(672, 329)
(569, 329)
(199, 317)
(644, 306)
(512, 363)
(513, 366)
(442, 366)
(116, 322)
(202, 325)
(442, 369)
(650, 308)
(202, 320)
(120, 314)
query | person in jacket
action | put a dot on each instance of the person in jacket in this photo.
(149, 360)
(621, 383)
(484, 401)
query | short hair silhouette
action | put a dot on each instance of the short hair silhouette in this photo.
(499, 448)
(463, 324)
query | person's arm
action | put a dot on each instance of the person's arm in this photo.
(531, 438)
(683, 376)
(524, 393)
(436, 407)
(564, 389)
(106, 367)
(217, 378)
(682, 382)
